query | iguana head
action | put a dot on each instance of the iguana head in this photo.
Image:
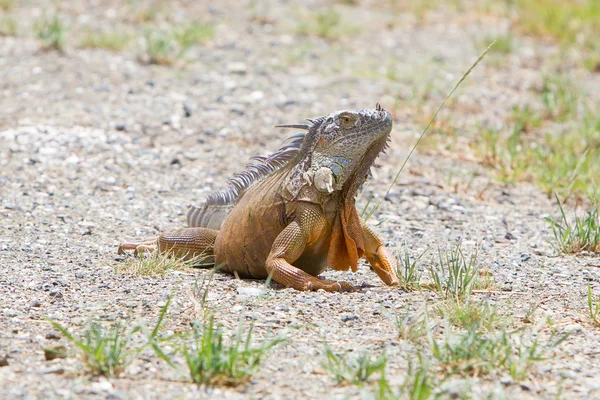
(339, 149)
(334, 153)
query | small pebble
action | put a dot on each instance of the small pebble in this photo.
(187, 110)
(346, 318)
(250, 291)
(238, 68)
(52, 336)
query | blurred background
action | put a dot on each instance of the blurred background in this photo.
(198, 74)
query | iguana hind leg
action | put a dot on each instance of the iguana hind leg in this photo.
(289, 245)
(187, 243)
(138, 248)
(381, 259)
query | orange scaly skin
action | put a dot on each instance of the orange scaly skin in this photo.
(293, 214)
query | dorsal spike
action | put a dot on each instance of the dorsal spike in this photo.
(260, 159)
(260, 167)
(282, 154)
(294, 126)
(292, 145)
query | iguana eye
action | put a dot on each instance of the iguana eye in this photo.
(346, 120)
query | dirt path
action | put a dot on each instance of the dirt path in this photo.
(97, 147)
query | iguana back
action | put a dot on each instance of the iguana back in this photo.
(219, 204)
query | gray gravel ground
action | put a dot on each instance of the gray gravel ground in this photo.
(96, 147)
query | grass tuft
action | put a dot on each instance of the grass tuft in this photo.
(160, 48)
(356, 369)
(158, 264)
(6, 5)
(109, 352)
(194, 34)
(568, 22)
(325, 23)
(165, 47)
(212, 360)
(411, 328)
(154, 264)
(113, 41)
(593, 306)
(473, 353)
(470, 314)
(148, 14)
(555, 144)
(581, 235)
(455, 275)
(410, 271)
(52, 33)
(8, 26)
(104, 352)
(420, 383)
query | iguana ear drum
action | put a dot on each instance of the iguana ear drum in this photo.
(323, 180)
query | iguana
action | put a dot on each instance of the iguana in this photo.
(292, 214)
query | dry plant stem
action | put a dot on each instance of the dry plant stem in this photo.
(464, 76)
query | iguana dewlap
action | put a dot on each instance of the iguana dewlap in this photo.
(292, 214)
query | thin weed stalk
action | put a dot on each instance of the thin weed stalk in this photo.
(463, 77)
(593, 303)
(199, 292)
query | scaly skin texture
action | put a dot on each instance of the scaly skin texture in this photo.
(292, 215)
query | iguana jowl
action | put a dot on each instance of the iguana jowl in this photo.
(292, 214)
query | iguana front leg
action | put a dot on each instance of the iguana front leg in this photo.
(381, 259)
(288, 247)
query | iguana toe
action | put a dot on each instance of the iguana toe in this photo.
(330, 286)
(138, 248)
